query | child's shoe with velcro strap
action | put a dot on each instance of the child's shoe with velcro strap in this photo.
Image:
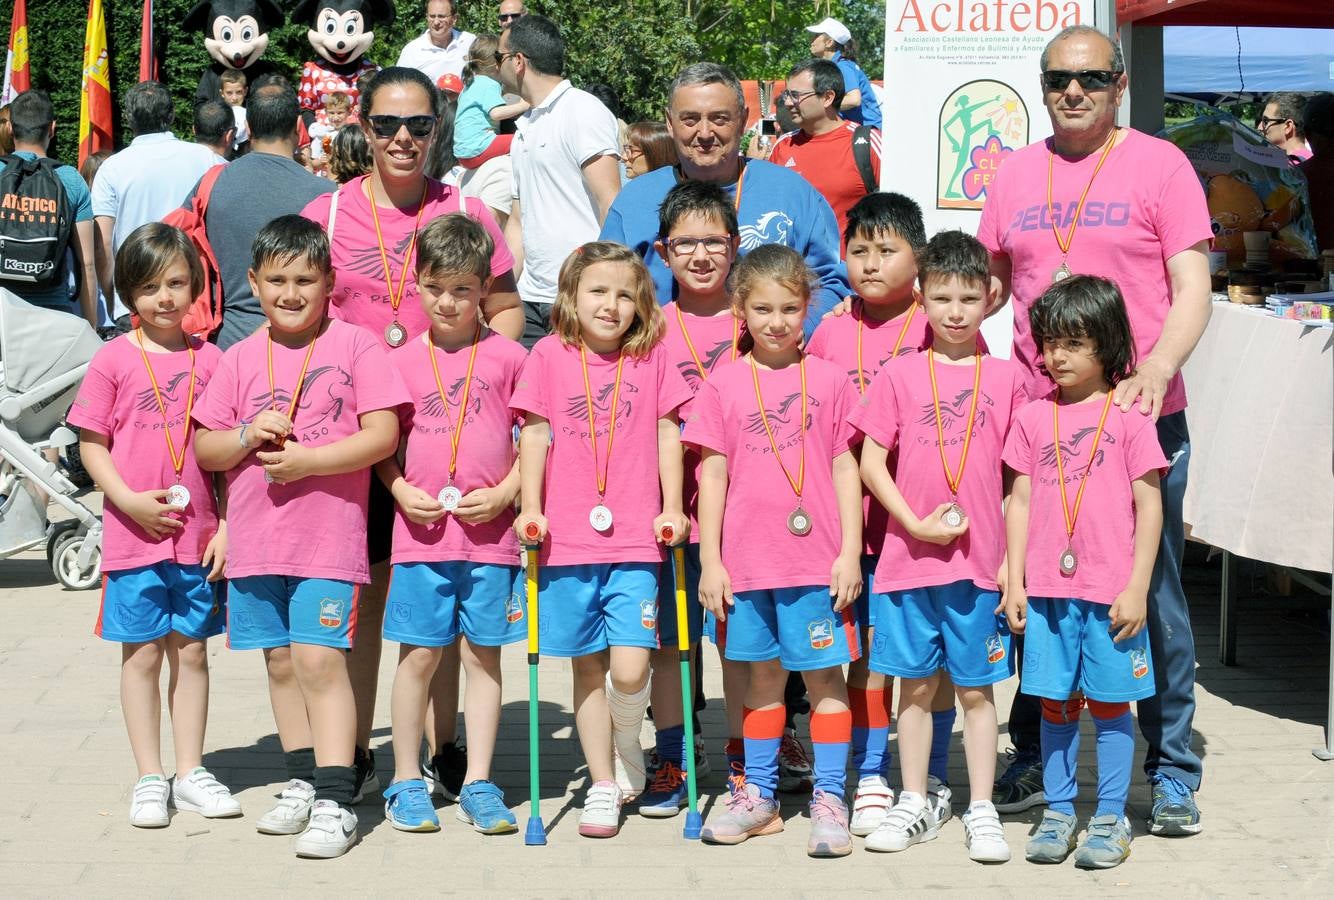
(331, 832)
(909, 822)
(292, 811)
(199, 792)
(1106, 844)
(407, 806)
(872, 802)
(482, 805)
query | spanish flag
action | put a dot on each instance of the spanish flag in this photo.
(95, 102)
(18, 74)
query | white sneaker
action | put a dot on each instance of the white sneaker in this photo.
(939, 798)
(331, 832)
(292, 811)
(601, 815)
(628, 760)
(199, 792)
(873, 801)
(983, 835)
(148, 802)
(909, 822)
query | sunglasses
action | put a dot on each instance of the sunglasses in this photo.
(509, 17)
(1264, 122)
(1089, 79)
(388, 126)
(714, 245)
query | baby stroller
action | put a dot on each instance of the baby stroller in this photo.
(43, 357)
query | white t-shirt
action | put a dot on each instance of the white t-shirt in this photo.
(489, 182)
(420, 53)
(554, 140)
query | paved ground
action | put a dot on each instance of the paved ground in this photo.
(1268, 804)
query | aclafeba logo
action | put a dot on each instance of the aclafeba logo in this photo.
(980, 123)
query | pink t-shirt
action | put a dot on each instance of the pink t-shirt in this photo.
(835, 339)
(1104, 540)
(361, 294)
(116, 399)
(1145, 206)
(485, 449)
(315, 527)
(552, 386)
(713, 339)
(758, 550)
(899, 413)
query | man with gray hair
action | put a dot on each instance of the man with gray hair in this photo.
(1281, 124)
(706, 114)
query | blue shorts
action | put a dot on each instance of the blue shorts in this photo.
(586, 609)
(266, 611)
(865, 608)
(667, 598)
(797, 626)
(952, 627)
(144, 604)
(1068, 646)
(430, 602)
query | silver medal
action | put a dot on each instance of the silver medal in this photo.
(450, 497)
(1069, 562)
(600, 518)
(799, 523)
(178, 496)
(1061, 274)
(395, 335)
(953, 516)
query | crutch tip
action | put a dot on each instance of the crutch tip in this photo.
(536, 833)
(694, 824)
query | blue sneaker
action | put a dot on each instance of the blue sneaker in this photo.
(1106, 844)
(482, 805)
(408, 806)
(1174, 811)
(666, 794)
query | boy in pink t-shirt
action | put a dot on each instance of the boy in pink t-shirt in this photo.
(455, 554)
(599, 399)
(946, 412)
(296, 415)
(163, 545)
(1083, 524)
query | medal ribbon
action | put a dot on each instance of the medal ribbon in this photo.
(1069, 238)
(395, 297)
(690, 345)
(953, 479)
(463, 405)
(1070, 518)
(177, 461)
(600, 472)
(300, 379)
(741, 176)
(903, 332)
(799, 482)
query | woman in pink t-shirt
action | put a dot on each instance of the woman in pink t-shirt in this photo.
(599, 400)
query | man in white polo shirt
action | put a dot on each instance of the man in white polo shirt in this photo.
(442, 49)
(564, 159)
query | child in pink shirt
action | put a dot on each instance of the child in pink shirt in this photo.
(599, 399)
(946, 412)
(1083, 524)
(455, 555)
(163, 545)
(780, 542)
(296, 415)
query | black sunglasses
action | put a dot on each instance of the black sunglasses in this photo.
(1089, 79)
(388, 126)
(1263, 123)
(509, 17)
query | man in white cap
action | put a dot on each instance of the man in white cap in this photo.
(834, 42)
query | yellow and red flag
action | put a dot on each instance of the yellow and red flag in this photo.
(95, 101)
(147, 52)
(18, 74)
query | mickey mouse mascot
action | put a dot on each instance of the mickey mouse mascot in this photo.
(236, 34)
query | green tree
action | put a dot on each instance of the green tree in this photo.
(763, 40)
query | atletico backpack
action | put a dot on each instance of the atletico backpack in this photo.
(204, 316)
(36, 221)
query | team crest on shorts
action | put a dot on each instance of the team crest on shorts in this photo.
(821, 632)
(513, 608)
(331, 612)
(1139, 663)
(648, 613)
(400, 612)
(995, 648)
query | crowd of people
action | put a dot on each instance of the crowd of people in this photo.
(469, 341)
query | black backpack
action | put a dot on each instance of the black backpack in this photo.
(36, 221)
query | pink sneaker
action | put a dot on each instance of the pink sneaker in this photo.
(747, 815)
(829, 827)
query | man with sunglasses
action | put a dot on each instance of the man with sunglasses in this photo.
(510, 12)
(1096, 199)
(1281, 125)
(442, 49)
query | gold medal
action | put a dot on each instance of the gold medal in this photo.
(1068, 561)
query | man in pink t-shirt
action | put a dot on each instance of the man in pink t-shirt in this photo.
(1101, 200)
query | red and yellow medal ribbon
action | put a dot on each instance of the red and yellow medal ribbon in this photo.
(1072, 517)
(861, 324)
(600, 471)
(1064, 242)
(463, 404)
(799, 482)
(177, 459)
(690, 345)
(952, 478)
(300, 379)
(395, 297)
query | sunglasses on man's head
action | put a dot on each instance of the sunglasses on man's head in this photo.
(1089, 79)
(388, 126)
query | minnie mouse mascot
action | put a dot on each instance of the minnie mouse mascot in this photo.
(341, 31)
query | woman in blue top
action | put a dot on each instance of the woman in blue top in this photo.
(834, 42)
(482, 107)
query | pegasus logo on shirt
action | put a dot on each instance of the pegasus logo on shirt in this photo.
(1072, 449)
(576, 406)
(771, 228)
(435, 409)
(956, 411)
(173, 393)
(368, 261)
(712, 357)
(325, 393)
(785, 421)
(871, 371)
